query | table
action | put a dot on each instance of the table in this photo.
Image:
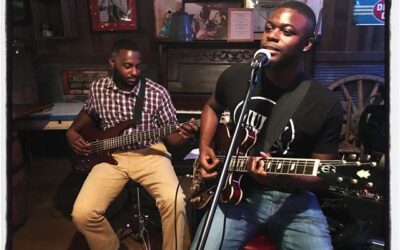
(58, 116)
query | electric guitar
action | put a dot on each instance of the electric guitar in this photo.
(349, 174)
(102, 143)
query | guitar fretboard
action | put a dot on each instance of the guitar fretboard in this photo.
(279, 165)
(285, 166)
(124, 140)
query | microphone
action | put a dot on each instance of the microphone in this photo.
(261, 58)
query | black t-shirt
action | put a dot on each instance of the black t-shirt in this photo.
(314, 127)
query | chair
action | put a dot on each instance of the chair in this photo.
(356, 92)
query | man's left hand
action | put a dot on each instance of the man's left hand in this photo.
(188, 130)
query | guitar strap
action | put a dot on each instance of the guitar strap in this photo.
(137, 113)
(282, 112)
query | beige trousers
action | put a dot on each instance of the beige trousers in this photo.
(150, 167)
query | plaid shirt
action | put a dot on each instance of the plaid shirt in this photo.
(113, 106)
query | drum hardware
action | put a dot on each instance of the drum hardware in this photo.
(138, 223)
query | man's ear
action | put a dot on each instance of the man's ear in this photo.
(309, 44)
(111, 62)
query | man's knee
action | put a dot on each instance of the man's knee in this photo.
(172, 200)
(84, 216)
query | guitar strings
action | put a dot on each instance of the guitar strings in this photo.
(123, 140)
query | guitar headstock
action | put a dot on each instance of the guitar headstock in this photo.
(355, 176)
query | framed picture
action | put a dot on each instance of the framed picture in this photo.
(210, 18)
(240, 25)
(163, 10)
(110, 15)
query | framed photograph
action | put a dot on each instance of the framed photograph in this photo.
(240, 25)
(163, 10)
(210, 18)
(110, 15)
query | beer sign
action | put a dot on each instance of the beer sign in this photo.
(369, 12)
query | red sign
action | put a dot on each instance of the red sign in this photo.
(379, 10)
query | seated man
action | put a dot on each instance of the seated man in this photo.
(112, 101)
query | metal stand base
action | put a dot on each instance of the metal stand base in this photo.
(138, 222)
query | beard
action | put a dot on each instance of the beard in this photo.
(126, 83)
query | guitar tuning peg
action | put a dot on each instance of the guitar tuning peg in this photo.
(353, 156)
(377, 197)
(358, 163)
(374, 164)
(369, 185)
(368, 157)
(339, 179)
(354, 181)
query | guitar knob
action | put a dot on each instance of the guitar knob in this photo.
(377, 197)
(354, 181)
(369, 185)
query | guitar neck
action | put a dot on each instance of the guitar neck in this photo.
(287, 166)
(124, 140)
(279, 165)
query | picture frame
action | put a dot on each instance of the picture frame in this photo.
(113, 15)
(240, 25)
(210, 18)
(163, 10)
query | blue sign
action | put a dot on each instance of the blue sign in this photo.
(369, 12)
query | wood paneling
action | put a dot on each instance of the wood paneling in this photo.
(341, 35)
(94, 47)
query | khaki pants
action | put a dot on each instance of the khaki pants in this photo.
(150, 167)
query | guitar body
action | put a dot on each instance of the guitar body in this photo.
(202, 191)
(84, 164)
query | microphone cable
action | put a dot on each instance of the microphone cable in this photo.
(175, 216)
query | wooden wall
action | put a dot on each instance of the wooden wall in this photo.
(339, 35)
(94, 47)
(341, 41)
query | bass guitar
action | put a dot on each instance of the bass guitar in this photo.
(102, 143)
(349, 174)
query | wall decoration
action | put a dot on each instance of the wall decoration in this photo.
(240, 25)
(369, 12)
(110, 15)
(210, 18)
(76, 81)
(163, 10)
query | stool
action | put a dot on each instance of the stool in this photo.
(138, 221)
(260, 241)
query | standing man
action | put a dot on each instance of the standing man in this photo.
(112, 100)
(280, 204)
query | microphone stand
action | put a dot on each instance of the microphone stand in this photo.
(224, 172)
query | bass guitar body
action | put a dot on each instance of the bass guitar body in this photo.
(85, 163)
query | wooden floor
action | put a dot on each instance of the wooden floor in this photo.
(50, 192)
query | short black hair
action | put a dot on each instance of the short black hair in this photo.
(124, 44)
(303, 9)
